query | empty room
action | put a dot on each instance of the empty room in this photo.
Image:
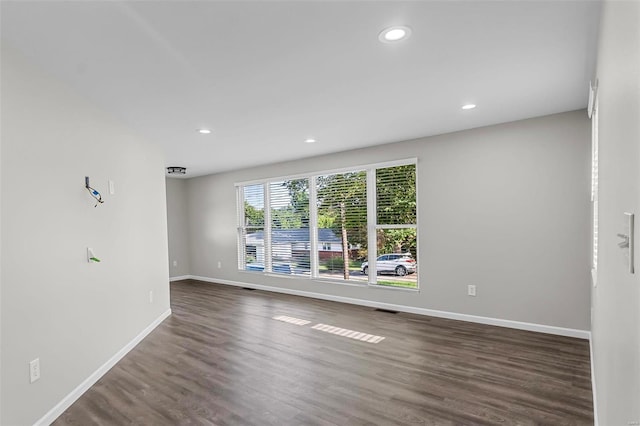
(319, 212)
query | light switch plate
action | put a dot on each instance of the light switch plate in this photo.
(34, 370)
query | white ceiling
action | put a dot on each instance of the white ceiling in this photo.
(264, 76)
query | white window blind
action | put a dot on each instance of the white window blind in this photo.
(289, 217)
(396, 195)
(333, 225)
(251, 229)
(342, 223)
(396, 223)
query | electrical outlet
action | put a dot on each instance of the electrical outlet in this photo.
(112, 187)
(34, 370)
(471, 290)
(219, 264)
(150, 296)
(175, 263)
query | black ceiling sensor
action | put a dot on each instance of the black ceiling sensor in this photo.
(176, 170)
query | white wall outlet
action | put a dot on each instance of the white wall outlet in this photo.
(175, 263)
(112, 187)
(34, 370)
(219, 264)
(151, 296)
(471, 290)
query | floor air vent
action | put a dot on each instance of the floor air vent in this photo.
(247, 288)
(387, 311)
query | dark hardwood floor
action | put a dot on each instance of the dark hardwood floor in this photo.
(221, 359)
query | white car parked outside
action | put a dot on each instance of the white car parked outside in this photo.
(400, 264)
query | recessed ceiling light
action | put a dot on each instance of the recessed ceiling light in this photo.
(469, 106)
(310, 140)
(204, 131)
(393, 34)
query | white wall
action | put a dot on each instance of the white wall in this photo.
(503, 207)
(178, 227)
(56, 306)
(616, 299)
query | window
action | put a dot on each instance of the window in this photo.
(251, 231)
(334, 226)
(289, 218)
(341, 200)
(396, 225)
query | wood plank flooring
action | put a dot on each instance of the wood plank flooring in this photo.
(221, 359)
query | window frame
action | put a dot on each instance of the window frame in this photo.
(372, 225)
(595, 151)
(242, 226)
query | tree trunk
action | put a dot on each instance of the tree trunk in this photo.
(345, 241)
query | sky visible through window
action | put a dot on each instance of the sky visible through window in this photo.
(281, 199)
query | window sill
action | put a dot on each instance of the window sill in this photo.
(361, 284)
(388, 287)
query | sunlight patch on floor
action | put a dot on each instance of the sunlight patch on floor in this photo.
(291, 320)
(370, 338)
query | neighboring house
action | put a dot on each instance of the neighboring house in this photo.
(288, 244)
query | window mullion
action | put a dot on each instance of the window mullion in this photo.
(241, 231)
(268, 262)
(372, 242)
(313, 225)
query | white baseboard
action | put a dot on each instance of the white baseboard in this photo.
(541, 328)
(593, 382)
(72, 397)
(179, 278)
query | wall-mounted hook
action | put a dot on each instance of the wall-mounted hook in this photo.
(91, 257)
(625, 243)
(94, 193)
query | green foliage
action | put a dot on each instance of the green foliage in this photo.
(286, 218)
(343, 192)
(342, 204)
(334, 264)
(326, 221)
(253, 216)
(398, 283)
(397, 241)
(363, 253)
(295, 215)
(396, 195)
(299, 193)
